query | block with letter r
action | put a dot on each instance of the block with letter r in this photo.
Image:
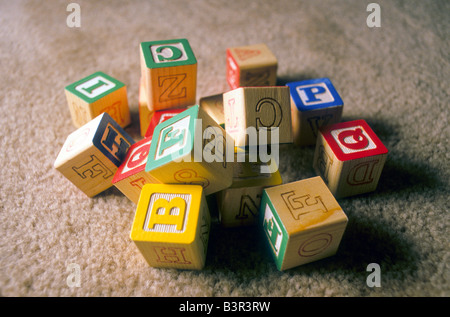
(315, 103)
(171, 226)
(91, 155)
(349, 157)
(169, 72)
(95, 94)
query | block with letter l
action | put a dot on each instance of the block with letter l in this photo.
(91, 155)
(349, 157)
(171, 226)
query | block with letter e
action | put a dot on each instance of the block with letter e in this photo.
(314, 103)
(169, 70)
(171, 226)
(91, 155)
(191, 148)
(301, 221)
(349, 157)
(95, 94)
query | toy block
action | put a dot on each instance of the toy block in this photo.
(302, 222)
(131, 176)
(349, 157)
(169, 69)
(253, 112)
(145, 114)
(161, 116)
(314, 103)
(191, 148)
(95, 94)
(252, 65)
(171, 226)
(213, 105)
(91, 155)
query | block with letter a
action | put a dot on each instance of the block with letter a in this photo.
(349, 157)
(91, 155)
(171, 226)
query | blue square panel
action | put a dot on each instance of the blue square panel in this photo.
(314, 94)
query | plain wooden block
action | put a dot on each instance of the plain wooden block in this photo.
(145, 114)
(250, 111)
(131, 176)
(91, 155)
(161, 116)
(191, 148)
(302, 222)
(95, 94)
(349, 157)
(171, 226)
(314, 103)
(169, 69)
(251, 65)
(213, 106)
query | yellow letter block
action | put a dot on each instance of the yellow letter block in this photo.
(169, 69)
(91, 155)
(252, 65)
(302, 222)
(95, 94)
(171, 226)
(252, 113)
(349, 157)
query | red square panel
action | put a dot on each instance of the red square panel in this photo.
(134, 161)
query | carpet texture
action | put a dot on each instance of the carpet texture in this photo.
(394, 76)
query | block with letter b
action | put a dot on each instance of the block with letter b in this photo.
(252, 65)
(171, 226)
(315, 103)
(95, 94)
(302, 222)
(349, 157)
(91, 155)
(169, 69)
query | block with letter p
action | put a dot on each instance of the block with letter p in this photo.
(91, 155)
(171, 226)
(169, 69)
(314, 103)
(349, 157)
(95, 94)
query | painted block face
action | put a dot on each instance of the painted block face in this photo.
(191, 148)
(252, 65)
(91, 155)
(159, 117)
(254, 111)
(314, 103)
(169, 69)
(302, 222)
(171, 226)
(95, 94)
(349, 157)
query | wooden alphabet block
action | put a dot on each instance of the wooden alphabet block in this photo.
(131, 176)
(145, 114)
(191, 148)
(252, 113)
(171, 226)
(161, 116)
(91, 155)
(302, 222)
(169, 69)
(314, 103)
(349, 157)
(213, 105)
(252, 65)
(95, 94)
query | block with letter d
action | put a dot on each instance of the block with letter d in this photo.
(91, 155)
(95, 94)
(301, 221)
(171, 226)
(314, 103)
(191, 148)
(169, 70)
(349, 157)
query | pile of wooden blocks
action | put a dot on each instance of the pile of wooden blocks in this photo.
(190, 153)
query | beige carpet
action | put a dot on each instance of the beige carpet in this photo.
(396, 77)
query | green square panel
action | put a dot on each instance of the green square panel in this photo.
(158, 54)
